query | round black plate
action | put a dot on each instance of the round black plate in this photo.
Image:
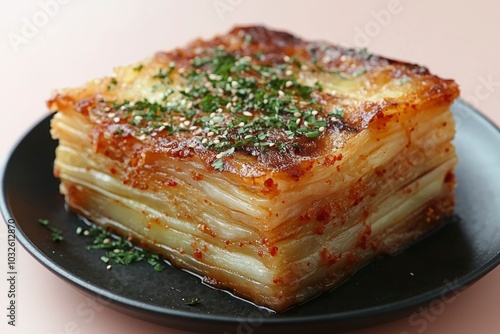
(461, 251)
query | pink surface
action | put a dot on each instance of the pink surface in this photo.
(79, 40)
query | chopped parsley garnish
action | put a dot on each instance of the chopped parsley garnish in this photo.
(218, 164)
(165, 74)
(112, 84)
(232, 102)
(57, 234)
(193, 301)
(118, 250)
(337, 112)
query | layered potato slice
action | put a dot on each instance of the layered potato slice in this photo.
(272, 166)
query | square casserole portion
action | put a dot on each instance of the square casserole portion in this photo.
(270, 165)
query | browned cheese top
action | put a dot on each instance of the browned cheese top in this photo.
(251, 102)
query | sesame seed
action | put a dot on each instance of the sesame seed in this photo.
(248, 137)
(306, 123)
(186, 123)
(192, 145)
(288, 72)
(182, 119)
(265, 101)
(138, 118)
(142, 137)
(181, 70)
(216, 141)
(204, 141)
(182, 126)
(242, 124)
(219, 110)
(229, 79)
(297, 114)
(228, 105)
(86, 232)
(281, 93)
(106, 241)
(286, 58)
(288, 84)
(198, 131)
(108, 266)
(161, 128)
(116, 250)
(303, 67)
(220, 155)
(116, 119)
(321, 129)
(250, 96)
(210, 134)
(297, 121)
(314, 112)
(247, 113)
(234, 83)
(192, 128)
(111, 115)
(235, 98)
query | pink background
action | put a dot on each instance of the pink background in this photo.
(81, 40)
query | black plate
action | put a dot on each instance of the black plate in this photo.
(460, 252)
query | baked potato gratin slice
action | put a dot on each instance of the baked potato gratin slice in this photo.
(270, 165)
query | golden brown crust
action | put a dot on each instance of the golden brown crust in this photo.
(360, 85)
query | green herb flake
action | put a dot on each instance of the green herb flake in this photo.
(193, 301)
(337, 112)
(138, 68)
(120, 251)
(313, 134)
(112, 84)
(218, 164)
(57, 234)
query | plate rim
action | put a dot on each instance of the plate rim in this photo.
(365, 313)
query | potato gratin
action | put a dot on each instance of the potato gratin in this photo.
(272, 166)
